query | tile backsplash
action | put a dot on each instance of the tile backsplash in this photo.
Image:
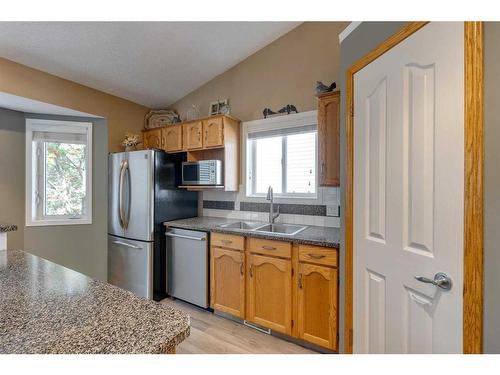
(322, 211)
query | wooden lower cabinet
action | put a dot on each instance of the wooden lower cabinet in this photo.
(269, 292)
(317, 316)
(227, 287)
(292, 290)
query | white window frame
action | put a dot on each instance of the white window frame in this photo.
(32, 216)
(275, 123)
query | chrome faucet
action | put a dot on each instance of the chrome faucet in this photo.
(270, 197)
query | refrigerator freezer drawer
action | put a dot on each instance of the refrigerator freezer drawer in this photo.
(130, 265)
(187, 266)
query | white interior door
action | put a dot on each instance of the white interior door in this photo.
(408, 195)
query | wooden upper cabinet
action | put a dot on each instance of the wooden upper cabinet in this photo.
(193, 135)
(213, 132)
(317, 305)
(152, 138)
(269, 292)
(329, 139)
(172, 138)
(227, 287)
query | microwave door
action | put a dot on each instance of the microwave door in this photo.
(191, 174)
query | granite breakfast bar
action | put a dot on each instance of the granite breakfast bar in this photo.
(48, 308)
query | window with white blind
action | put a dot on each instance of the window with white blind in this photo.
(284, 158)
(58, 172)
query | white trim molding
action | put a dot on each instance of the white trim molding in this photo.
(349, 29)
(33, 215)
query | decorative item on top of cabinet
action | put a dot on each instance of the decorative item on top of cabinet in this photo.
(157, 118)
(193, 113)
(217, 107)
(130, 142)
(289, 108)
(321, 88)
(329, 138)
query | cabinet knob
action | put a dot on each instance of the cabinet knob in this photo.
(251, 270)
(300, 280)
(241, 268)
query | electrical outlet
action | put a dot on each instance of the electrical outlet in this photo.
(332, 210)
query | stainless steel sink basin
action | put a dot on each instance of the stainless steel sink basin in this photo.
(245, 225)
(286, 229)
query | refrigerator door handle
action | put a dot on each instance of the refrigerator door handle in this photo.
(123, 167)
(126, 213)
(126, 244)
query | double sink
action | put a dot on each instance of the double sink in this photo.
(265, 228)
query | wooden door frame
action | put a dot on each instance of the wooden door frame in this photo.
(473, 182)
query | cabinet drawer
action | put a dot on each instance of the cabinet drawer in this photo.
(318, 255)
(227, 241)
(270, 247)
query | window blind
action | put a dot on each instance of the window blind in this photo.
(282, 132)
(79, 138)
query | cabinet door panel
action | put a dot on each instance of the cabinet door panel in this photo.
(269, 292)
(172, 138)
(152, 138)
(192, 135)
(317, 305)
(329, 139)
(228, 281)
(213, 132)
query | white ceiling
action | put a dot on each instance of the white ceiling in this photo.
(151, 63)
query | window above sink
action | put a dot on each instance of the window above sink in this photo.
(282, 152)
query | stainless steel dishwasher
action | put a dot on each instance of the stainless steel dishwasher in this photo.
(187, 266)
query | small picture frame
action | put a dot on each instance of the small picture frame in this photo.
(215, 107)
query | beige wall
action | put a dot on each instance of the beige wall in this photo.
(80, 247)
(12, 174)
(284, 72)
(491, 188)
(122, 115)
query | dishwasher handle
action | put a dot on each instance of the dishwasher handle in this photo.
(186, 237)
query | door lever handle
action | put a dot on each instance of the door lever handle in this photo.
(441, 280)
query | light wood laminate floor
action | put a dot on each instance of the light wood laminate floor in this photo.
(212, 334)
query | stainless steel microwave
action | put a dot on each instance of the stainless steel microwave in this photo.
(202, 172)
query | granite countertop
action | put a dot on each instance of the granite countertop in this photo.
(313, 235)
(5, 227)
(47, 308)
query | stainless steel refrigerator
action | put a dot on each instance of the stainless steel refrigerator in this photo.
(143, 194)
